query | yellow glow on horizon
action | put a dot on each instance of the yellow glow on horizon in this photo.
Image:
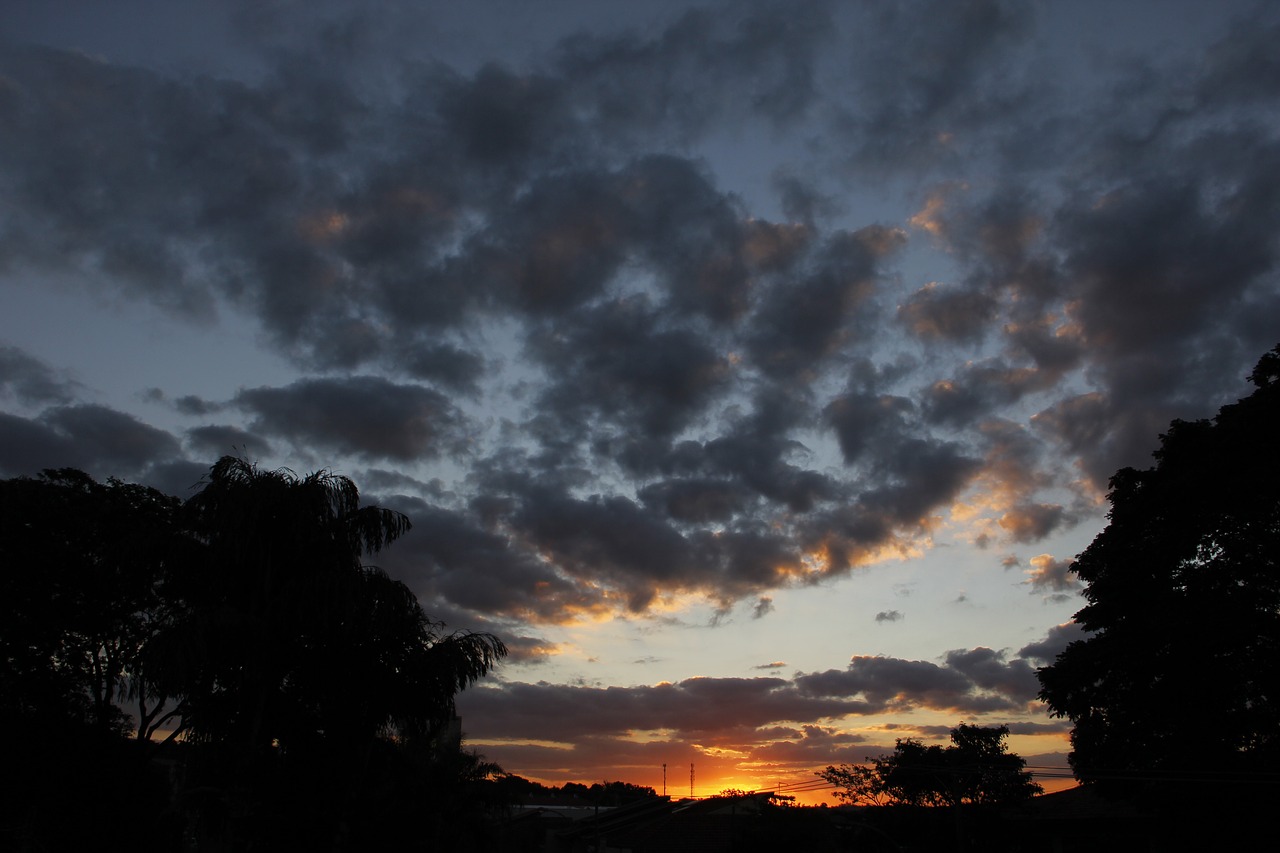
(720, 768)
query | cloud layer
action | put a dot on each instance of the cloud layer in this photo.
(713, 303)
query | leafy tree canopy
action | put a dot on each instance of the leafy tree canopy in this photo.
(976, 768)
(81, 594)
(308, 687)
(1179, 674)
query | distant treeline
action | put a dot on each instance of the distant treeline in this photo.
(517, 789)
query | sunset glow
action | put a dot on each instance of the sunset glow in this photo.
(755, 371)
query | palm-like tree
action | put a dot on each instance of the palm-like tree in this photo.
(290, 651)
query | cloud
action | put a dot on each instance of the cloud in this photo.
(756, 60)
(977, 391)
(215, 441)
(1052, 576)
(98, 439)
(778, 717)
(1046, 650)
(957, 82)
(31, 381)
(109, 438)
(1030, 523)
(454, 562)
(974, 681)
(956, 315)
(693, 707)
(190, 404)
(28, 446)
(602, 370)
(800, 322)
(889, 616)
(619, 363)
(696, 501)
(366, 416)
(863, 422)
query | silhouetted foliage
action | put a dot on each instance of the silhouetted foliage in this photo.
(80, 595)
(1179, 675)
(976, 768)
(82, 571)
(299, 692)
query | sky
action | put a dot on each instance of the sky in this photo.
(754, 370)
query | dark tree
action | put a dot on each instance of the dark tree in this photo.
(82, 577)
(298, 666)
(81, 595)
(1179, 675)
(287, 633)
(976, 768)
(301, 691)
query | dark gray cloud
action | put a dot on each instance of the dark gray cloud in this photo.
(703, 68)
(801, 321)
(110, 439)
(444, 364)
(31, 381)
(971, 681)
(951, 315)
(889, 616)
(651, 366)
(696, 501)
(100, 440)
(617, 362)
(190, 404)
(933, 77)
(27, 446)
(450, 556)
(919, 475)
(1033, 522)
(365, 416)
(694, 706)
(863, 421)
(978, 390)
(1046, 650)
(215, 441)
(989, 671)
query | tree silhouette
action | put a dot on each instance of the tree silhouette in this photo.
(1179, 675)
(293, 659)
(976, 768)
(80, 594)
(298, 689)
(82, 575)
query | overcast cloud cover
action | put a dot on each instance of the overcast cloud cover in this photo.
(754, 369)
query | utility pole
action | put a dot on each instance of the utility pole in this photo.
(664, 778)
(691, 780)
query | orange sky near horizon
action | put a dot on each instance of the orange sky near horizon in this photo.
(716, 770)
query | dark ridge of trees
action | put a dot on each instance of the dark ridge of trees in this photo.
(1178, 678)
(282, 692)
(515, 788)
(976, 769)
